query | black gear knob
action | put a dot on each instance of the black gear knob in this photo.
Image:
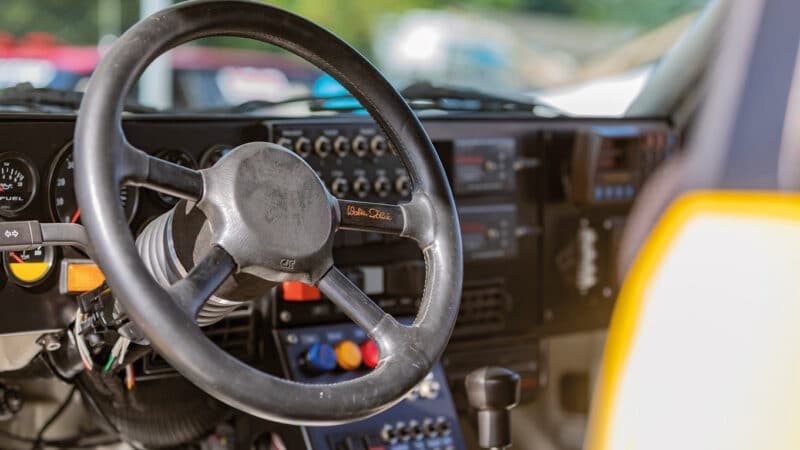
(493, 391)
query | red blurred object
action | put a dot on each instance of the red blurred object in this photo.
(296, 291)
(6, 43)
(83, 59)
(370, 353)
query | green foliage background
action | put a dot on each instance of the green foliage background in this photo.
(76, 21)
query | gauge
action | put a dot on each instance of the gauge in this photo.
(18, 181)
(61, 190)
(29, 267)
(214, 154)
(180, 158)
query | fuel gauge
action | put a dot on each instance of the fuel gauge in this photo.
(28, 268)
(18, 181)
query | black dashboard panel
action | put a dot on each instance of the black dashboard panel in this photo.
(520, 186)
(542, 204)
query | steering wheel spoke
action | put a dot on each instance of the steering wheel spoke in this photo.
(192, 292)
(353, 301)
(142, 169)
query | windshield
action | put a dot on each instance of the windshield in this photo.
(587, 57)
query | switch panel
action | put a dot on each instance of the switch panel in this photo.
(425, 419)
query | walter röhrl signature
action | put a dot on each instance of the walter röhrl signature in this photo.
(371, 213)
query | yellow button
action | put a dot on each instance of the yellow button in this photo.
(348, 355)
(29, 272)
(83, 277)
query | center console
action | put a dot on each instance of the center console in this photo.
(425, 419)
(540, 213)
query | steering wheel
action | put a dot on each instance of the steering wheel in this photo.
(269, 216)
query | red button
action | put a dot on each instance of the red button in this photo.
(370, 353)
(296, 291)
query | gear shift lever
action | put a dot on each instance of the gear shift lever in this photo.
(493, 391)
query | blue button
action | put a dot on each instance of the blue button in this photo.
(598, 193)
(618, 192)
(629, 191)
(609, 192)
(321, 357)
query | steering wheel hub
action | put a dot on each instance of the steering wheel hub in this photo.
(271, 212)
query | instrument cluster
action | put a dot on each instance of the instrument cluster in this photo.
(22, 185)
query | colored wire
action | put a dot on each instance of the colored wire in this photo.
(123, 350)
(130, 381)
(58, 412)
(83, 350)
(117, 352)
(108, 363)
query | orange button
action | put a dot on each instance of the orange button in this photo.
(83, 277)
(348, 355)
(296, 291)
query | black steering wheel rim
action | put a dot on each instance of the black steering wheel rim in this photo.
(105, 160)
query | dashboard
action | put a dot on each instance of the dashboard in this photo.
(542, 204)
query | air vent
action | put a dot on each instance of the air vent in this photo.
(483, 310)
(234, 334)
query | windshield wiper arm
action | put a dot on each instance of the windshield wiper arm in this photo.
(420, 96)
(315, 102)
(426, 96)
(43, 99)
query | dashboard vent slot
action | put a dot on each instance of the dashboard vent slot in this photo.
(235, 334)
(483, 310)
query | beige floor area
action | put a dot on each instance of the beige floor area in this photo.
(541, 425)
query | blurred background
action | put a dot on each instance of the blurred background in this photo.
(586, 57)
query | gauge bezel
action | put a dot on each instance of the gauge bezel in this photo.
(50, 258)
(28, 162)
(204, 159)
(51, 174)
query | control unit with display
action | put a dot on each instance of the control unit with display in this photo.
(610, 164)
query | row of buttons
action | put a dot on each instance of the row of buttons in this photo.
(614, 192)
(345, 355)
(381, 185)
(323, 146)
(415, 430)
(376, 443)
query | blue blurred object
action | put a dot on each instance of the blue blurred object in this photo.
(327, 86)
(321, 358)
